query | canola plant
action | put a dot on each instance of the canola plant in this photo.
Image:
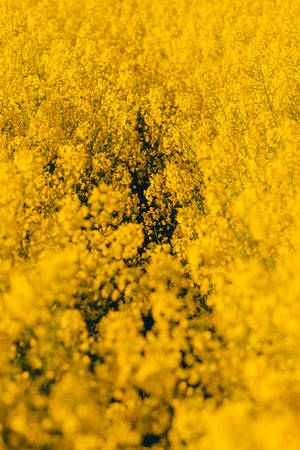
(149, 225)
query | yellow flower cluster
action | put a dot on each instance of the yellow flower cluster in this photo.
(149, 224)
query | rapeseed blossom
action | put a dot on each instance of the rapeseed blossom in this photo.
(149, 225)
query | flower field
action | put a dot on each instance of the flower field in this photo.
(149, 225)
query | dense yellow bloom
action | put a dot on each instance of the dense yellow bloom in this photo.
(149, 224)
